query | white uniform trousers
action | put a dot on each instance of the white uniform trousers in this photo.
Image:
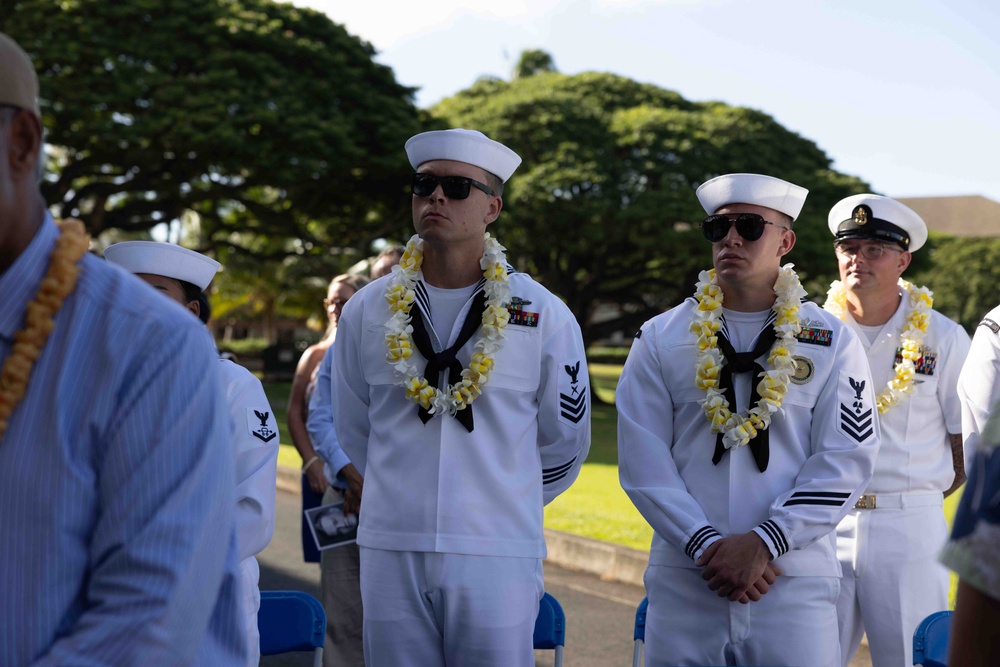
(793, 625)
(892, 578)
(438, 609)
(341, 591)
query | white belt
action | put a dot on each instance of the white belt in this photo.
(898, 501)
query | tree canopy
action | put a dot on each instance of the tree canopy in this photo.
(260, 117)
(603, 210)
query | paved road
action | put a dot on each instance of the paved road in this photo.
(599, 614)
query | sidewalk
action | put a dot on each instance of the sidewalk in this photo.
(608, 561)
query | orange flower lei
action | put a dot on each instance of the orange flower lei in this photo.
(58, 283)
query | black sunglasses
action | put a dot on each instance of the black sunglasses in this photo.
(453, 187)
(748, 225)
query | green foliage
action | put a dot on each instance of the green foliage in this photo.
(603, 211)
(963, 273)
(532, 62)
(264, 119)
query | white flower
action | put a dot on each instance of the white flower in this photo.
(911, 336)
(497, 289)
(737, 429)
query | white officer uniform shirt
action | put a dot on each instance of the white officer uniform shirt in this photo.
(436, 487)
(978, 385)
(819, 464)
(892, 578)
(255, 443)
(915, 454)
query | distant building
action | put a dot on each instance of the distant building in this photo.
(958, 216)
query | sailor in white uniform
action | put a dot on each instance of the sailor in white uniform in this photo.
(888, 544)
(746, 431)
(451, 536)
(183, 275)
(979, 382)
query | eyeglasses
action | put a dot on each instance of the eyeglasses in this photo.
(453, 187)
(870, 251)
(749, 225)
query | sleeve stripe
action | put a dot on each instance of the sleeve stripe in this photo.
(556, 478)
(564, 467)
(813, 501)
(698, 539)
(777, 537)
(821, 494)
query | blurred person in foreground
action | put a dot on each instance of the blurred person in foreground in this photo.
(743, 497)
(183, 275)
(888, 543)
(461, 394)
(116, 465)
(973, 554)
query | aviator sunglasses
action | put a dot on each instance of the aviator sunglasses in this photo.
(453, 187)
(749, 225)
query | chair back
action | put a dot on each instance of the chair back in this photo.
(550, 625)
(290, 621)
(639, 634)
(930, 641)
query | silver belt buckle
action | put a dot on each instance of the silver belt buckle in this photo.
(865, 503)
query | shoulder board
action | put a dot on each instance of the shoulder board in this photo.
(990, 324)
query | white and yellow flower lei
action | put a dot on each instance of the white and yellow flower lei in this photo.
(738, 430)
(400, 294)
(39, 319)
(911, 337)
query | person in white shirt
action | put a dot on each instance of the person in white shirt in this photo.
(888, 543)
(461, 394)
(979, 382)
(746, 431)
(183, 275)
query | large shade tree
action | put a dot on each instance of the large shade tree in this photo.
(603, 209)
(262, 118)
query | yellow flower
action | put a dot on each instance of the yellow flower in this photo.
(481, 364)
(496, 271)
(398, 348)
(412, 258)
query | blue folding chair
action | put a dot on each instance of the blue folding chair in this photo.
(640, 632)
(550, 627)
(930, 641)
(291, 621)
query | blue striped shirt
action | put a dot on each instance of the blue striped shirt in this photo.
(320, 423)
(116, 482)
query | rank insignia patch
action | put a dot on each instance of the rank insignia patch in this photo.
(572, 396)
(856, 418)
(925, 365)
(804, 370)
(262, 425)
(520, 316)
(816, 336)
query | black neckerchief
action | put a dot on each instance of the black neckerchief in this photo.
(447, 359)
(744, 362)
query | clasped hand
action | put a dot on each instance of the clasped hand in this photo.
(739, 568)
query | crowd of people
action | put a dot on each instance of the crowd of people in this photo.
(792, 458)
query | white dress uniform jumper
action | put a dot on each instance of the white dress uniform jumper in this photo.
(821, 452)
(451, 523)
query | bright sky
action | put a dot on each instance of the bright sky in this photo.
(903, 93)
